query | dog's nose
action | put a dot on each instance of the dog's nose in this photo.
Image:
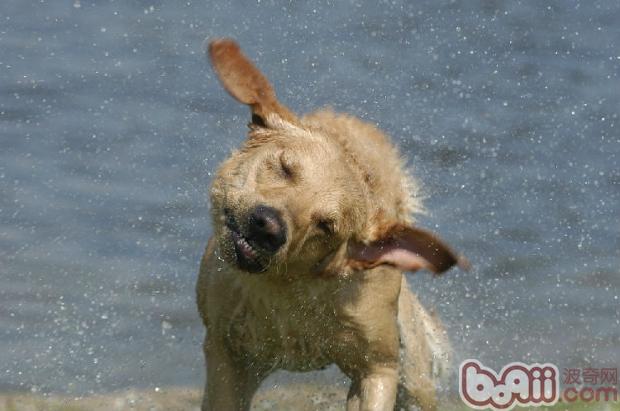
(266, 228)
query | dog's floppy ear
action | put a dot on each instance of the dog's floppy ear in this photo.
(407, 248)
(245, 82)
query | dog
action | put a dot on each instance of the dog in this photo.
(313, 229)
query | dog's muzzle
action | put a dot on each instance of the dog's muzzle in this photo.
(264, 236)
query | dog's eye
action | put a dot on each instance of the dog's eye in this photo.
(325, 225)
(286, 167)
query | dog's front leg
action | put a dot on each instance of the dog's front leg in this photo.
(374, 392)
(230, 385)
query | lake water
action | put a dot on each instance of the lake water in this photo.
(112, 123)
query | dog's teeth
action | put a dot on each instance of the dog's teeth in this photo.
(246, 247)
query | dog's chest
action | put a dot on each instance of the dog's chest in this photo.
(287, 328)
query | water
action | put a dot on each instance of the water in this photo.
(111, 124)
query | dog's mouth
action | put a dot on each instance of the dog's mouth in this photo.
(247, 254)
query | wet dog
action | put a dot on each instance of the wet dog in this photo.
(313, 228)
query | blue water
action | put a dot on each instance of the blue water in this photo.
(111, 124)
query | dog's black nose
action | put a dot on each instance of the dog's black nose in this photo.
(266, 228)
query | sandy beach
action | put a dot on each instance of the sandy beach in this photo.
(299, 397)
(302, 397)
(168, 399)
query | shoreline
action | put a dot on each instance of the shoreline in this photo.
(298, 397)
(301, 397)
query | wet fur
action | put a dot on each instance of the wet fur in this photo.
(318, 302)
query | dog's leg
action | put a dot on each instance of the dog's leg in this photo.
(420, 396)
(374, 392)
(230, 385)
(425, 353)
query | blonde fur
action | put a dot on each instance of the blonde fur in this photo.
(333, 292)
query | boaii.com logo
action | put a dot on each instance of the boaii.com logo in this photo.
(520, 384)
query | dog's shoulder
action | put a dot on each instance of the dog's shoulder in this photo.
(203, 277)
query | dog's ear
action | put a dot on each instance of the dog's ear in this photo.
(246, 83)
(407, 248)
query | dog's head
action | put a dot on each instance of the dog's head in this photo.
(292, 201)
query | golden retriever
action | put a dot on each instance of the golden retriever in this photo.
(313, 229)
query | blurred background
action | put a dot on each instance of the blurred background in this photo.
(112, 123)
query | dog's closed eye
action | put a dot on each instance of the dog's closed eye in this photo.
(326, 225)
(287, 166)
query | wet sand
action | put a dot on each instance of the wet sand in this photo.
(300, 397)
